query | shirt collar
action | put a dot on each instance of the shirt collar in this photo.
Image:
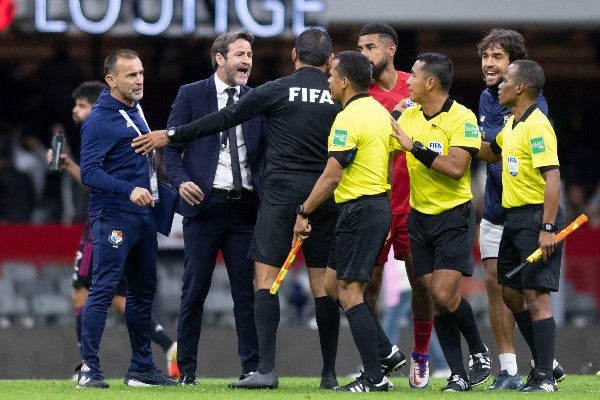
(445, 108)
(222, 86)
(526, 114)
(355, 97)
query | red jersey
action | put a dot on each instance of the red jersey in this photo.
(400, 185)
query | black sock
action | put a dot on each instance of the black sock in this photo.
(364, 331)
(384, 346)
(544, 332)
(524, 323)
(449, 337)
(465, 322)
(266, 315)
(328, 322)
(158, 335)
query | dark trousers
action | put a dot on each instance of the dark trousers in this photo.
(225, 225)
(124, 244)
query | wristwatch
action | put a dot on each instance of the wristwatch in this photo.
(170, 132)
(548, 227)
(417, 146)
(300, 211)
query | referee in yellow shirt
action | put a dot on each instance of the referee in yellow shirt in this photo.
(440, 137)
(357, 175)
(531, 189)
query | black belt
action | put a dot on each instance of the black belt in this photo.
(524, 207)
(365, 197)
(231, 194)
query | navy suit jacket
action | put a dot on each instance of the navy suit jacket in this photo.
(197, 161)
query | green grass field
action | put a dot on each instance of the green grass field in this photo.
(573, 388)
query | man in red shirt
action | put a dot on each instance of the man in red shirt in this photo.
(378, 42)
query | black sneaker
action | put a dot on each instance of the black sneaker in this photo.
(188, 378)
(256, 380)
(244, 375)
(364, 384)
(87, 379)
(480, 367)
(456, 383)
(558, 372)
(154, 377)
(504, 381)
(394, 361)
(329, 381)
(540, 382)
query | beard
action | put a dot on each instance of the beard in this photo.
(377, 69)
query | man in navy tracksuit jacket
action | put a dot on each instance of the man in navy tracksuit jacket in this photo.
(123, 228)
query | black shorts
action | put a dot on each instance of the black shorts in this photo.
(274, 229)
(443, 241)
(361, 229)
(83, 267)
(520, 239)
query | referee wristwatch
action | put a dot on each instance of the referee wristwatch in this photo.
(548, 227)
(417, 146)
(170, 133)
(300, 211)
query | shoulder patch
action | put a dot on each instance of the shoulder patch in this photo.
(471, 130)
(537, 145)
(339, 137)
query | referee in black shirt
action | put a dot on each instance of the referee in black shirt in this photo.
(299, 112)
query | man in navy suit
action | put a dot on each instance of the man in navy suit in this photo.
(219, 204)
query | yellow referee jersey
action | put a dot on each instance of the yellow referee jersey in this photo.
(526, 147)
(363, 124)
(432, 192)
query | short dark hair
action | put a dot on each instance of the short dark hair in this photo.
(110, 63)
(356, 67)
(440, 66)
(222, 42)
(89, 90)
(511, 41)
(382, 29)
(313, 47)
(531, 74)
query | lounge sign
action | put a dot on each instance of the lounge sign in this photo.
(275, 25)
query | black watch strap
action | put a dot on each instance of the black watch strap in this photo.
(548, 227)
(300, 211)
(424, 154)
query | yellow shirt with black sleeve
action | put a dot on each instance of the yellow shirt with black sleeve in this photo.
(432, 192)
(527, 146)
(360, 141)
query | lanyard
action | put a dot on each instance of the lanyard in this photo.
(130, 122)
(150, 158)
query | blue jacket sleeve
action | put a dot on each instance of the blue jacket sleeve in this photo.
(96, 142)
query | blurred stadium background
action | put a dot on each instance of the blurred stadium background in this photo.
(48, 47)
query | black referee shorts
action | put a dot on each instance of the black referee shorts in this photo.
(274, 232)
(443, 241)
(520, 239)
(361, 229)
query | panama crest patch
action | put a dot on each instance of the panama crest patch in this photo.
(115, 237)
